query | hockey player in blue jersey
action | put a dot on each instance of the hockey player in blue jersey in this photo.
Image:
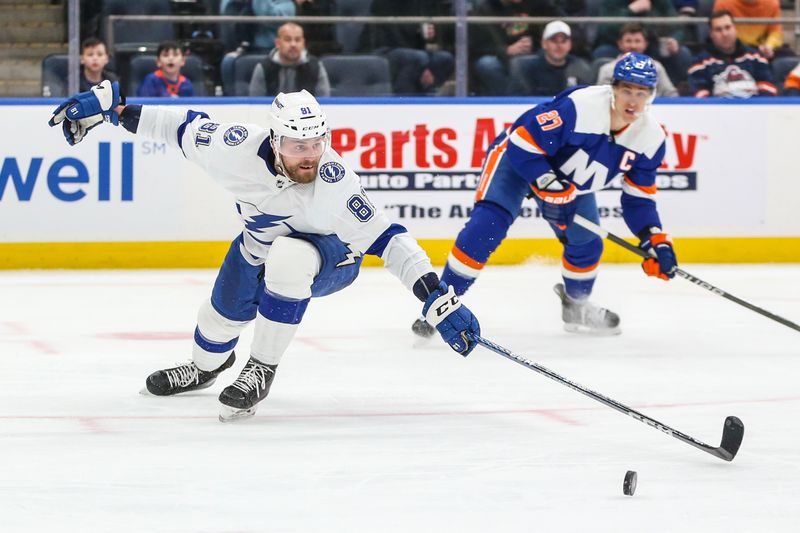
(560, 153)
(307, 224)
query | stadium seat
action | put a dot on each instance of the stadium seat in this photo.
(243, 67)
(55, 74)
(597, 63)
(781, 67)
(55, 68)
(143, 65)
(129, 35)
(348, 34)
(518, 67)
(358, 75)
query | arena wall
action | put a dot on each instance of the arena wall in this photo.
(727, 190)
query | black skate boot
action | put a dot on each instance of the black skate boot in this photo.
(240, 398)
(584, 317)
(422, 328)
(184, 378)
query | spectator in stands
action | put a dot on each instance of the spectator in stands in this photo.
(266, 33)
(766, 37)
(289, 67)
(493, 46)
(582, 34)
(420, 55)
(167, 80)
(666, 48)
(791, 86)
(727, 67)
(554, 68)
(94, 59)
(320, 38)
(632, 38)
(260, 36)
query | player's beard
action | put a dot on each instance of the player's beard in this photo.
(304, 171)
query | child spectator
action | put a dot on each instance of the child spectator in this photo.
(94, 58)
(167, 80)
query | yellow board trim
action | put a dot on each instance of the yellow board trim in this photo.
(131, 255)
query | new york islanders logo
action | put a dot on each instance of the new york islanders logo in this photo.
(331, 172)
(235, 135)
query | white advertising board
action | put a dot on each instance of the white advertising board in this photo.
(725, 172)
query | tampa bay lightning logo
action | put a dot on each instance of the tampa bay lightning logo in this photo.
(235, 135)
(331, 172)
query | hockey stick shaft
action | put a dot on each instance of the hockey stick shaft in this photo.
(597, 230)
(733, 431)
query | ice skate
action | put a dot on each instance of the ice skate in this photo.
(183, 378)
(584, 317)
(240, 398)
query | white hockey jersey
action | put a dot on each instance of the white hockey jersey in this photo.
(239, 157)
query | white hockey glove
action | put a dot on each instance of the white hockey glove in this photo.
(84, 111)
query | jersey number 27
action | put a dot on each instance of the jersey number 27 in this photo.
(549, 120)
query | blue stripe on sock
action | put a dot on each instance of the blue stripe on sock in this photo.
(211, 346)
(578, 289)
(280, 309)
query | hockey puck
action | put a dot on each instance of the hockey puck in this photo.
(629, 485)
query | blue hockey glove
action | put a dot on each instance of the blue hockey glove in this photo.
(84, 111)
(555, 198)
(664, 264)
(454, 321)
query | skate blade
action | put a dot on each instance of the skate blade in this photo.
(595, 332)
(232, 414)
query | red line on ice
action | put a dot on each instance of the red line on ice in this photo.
(551, 413)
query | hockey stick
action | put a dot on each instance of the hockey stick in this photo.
(732, 431)
(597, 230)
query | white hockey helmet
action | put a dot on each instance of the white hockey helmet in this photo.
(299, 116)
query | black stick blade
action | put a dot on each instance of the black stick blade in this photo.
(732, 435)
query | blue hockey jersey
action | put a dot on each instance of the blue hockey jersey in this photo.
(571, 136)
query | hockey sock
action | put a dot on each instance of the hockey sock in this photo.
(276, 324)
(579, 267)
(578, 289)
(214, 337)
(209, 355)
(482, 234)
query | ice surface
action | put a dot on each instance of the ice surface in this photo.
(366, 432)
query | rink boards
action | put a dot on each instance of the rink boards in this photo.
(726, 189)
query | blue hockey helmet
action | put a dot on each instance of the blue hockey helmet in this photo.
(636, 68)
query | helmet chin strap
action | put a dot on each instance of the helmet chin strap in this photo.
(278, 161)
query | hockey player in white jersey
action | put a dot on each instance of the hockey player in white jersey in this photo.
(307, 224)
